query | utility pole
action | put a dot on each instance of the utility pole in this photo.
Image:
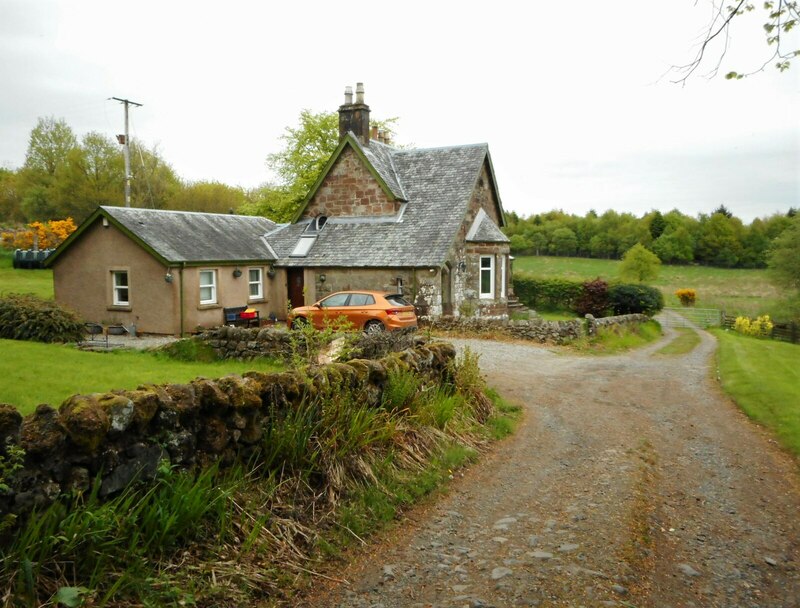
(126, 151)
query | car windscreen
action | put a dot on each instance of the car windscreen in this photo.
(396, 299)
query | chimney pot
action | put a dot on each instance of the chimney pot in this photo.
(354, 117)
(374, 133)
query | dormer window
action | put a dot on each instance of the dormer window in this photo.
(309, 237)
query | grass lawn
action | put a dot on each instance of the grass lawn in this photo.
(763, 377)
(35, 373)
(37, 282)
(736, 291)
(684, 343)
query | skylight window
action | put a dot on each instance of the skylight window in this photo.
(303, 246)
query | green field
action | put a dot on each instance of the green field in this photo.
(763, 377)
(35, 373)
(37, 282)
(737, 291)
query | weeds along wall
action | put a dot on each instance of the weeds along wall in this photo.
(122, 435)
(539, 330)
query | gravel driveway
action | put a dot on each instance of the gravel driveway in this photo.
(632, 481)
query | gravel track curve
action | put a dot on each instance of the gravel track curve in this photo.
(632, 481)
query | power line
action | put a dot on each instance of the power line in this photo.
(124, 140)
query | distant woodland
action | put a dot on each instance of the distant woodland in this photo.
(714, 239)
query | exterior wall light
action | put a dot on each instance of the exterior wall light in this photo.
(237, 273)
(168, 277)
(322, 278)
(462, 266)
(271, 271)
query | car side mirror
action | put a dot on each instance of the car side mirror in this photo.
(317, 305)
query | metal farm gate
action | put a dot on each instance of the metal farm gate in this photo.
(691, 317)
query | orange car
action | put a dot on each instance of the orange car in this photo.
(372, 311)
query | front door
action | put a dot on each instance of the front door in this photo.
(294, 279)
(447, 297)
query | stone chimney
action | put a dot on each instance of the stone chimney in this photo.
(354, 116)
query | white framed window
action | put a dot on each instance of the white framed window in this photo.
(255, 281)
(120, 293)
(503, 266)
(487, 277)
(208, 287)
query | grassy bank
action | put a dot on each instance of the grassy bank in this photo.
(612, 341)
(327, 472)
(35, 373)
(763, 377)
(37, 282)
(737, 291)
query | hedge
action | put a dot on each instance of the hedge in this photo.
(562, 294)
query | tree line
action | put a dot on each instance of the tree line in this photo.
(64, 176)
(715, 239)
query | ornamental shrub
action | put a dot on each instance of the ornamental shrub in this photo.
(26, 317)
(626, 298)
(688, 297)
(760, 327)
(594, 299)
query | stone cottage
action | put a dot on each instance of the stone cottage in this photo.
(422, 222)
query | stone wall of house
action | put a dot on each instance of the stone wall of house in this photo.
(537, 330)
(350, 189)
(126, 434)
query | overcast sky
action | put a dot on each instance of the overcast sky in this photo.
(569, 96)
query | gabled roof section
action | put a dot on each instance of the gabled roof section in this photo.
(437, 184)
(377, 162)
(175, 237)
(484, 230)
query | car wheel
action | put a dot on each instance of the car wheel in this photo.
(299, 323)
(373, 327)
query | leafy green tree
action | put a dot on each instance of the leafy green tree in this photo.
(657, 224)
(564, 242)
(784, 260)
(10, 198)
(719, 243)
(601, 246)
(91, 175)
(675, 247)
(154, 180)
(208, 197)
(520, 243)
(639, 264)
(538, 241)
(49, 143)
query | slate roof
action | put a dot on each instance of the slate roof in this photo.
(437, 184)
(484, 230)
(184, 236)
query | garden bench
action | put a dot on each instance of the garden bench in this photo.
(241, 315)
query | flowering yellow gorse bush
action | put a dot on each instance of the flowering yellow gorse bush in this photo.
(760, 327)
(51, 234)
(687, 296)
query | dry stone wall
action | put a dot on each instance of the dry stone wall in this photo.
(537, 330)
(126, 434)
